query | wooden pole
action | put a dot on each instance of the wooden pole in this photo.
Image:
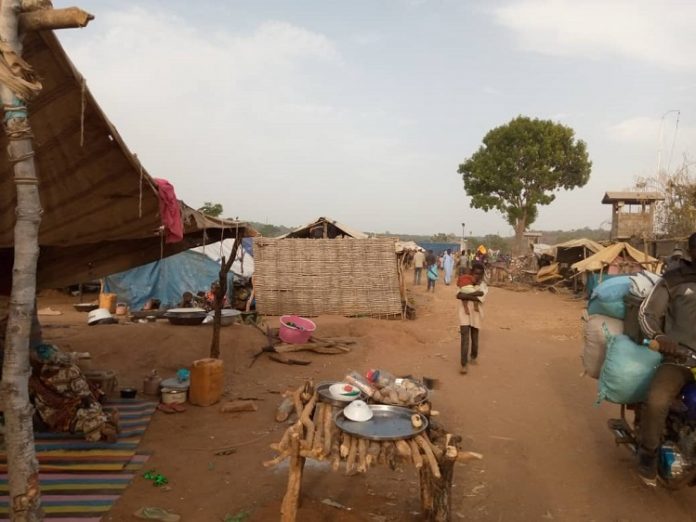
(225, 267)
(25, 499)
(436, 491)
(71, 17)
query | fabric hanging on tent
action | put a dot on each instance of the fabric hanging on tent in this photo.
(169, 211)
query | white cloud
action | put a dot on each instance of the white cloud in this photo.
(670, 144)
(660, 33)
(639, 130)
(248, 120)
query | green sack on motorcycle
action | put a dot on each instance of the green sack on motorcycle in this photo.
(627, 371)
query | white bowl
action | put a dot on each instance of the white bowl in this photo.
(358, 411)
(98, 315)
(340, 392)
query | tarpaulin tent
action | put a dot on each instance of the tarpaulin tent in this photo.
(166, 279)
(619, 258)
(244, 263)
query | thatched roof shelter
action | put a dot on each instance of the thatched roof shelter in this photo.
(324, 228)
(101, 208)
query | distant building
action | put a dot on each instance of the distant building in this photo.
(632, 214)
(533, 238)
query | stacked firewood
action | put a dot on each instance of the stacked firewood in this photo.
(320, 438)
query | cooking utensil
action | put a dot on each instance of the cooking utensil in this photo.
(387, 423)
(326, 396)
(358, 411)
(185, 316)
(128, 393)
(85, 307)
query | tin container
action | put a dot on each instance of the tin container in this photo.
(172, 396)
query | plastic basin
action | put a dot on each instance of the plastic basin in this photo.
(296, 335)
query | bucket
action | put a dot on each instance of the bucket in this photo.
(207, 380)
(108, 301)
(295, 329)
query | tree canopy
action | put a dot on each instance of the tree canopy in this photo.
(211, 209)
(519, 167)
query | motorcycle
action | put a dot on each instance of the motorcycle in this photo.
(677, 454)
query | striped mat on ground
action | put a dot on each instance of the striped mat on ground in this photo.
(81, 480)
(57, 452)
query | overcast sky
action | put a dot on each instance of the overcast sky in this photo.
(361, 110)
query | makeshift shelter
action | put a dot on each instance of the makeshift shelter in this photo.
(573, 251)
(351, 277)
(403, 246)
(102, 212)
(616, 259)
(324, 228)
(243, 265)
(560, 257)
(166, 279)
(190, 271)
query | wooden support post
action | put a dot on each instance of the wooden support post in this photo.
(436, 492)
(291, 500)
(47, 19)
(18, 87)
(225, 267)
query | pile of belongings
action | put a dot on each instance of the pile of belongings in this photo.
(614, 350)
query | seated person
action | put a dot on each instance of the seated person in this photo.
(65, 401)
(210, 296)
(465, 283)
(188, 300)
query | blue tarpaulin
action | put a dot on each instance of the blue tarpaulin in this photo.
(166, 280)
(438, 248)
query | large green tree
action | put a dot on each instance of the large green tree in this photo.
(520, 166)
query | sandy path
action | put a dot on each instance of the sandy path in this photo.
(547, 452)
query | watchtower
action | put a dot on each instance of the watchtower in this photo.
(632, 214)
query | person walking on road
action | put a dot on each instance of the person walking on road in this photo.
(418, 264)
(448, 266)
(432, 272)
(470, 318)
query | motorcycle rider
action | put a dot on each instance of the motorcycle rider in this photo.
(668, 316)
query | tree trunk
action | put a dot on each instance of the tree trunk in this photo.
(520, 228)
(23, 468)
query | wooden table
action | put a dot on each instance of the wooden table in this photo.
(315, 435)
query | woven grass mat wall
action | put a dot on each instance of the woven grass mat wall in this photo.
(326, 276)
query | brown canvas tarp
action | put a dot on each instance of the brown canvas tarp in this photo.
(100, 206)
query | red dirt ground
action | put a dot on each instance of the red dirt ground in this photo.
(547, 452)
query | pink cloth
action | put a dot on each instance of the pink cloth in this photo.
(169, 211)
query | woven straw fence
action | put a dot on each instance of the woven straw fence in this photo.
(326, 276)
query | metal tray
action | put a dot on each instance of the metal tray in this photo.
(387, 423)
(325, 395)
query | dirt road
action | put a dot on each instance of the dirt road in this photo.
(547, 452)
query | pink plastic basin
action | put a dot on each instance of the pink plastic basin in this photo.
(296, 335)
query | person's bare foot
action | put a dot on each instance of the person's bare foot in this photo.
(463, 370)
